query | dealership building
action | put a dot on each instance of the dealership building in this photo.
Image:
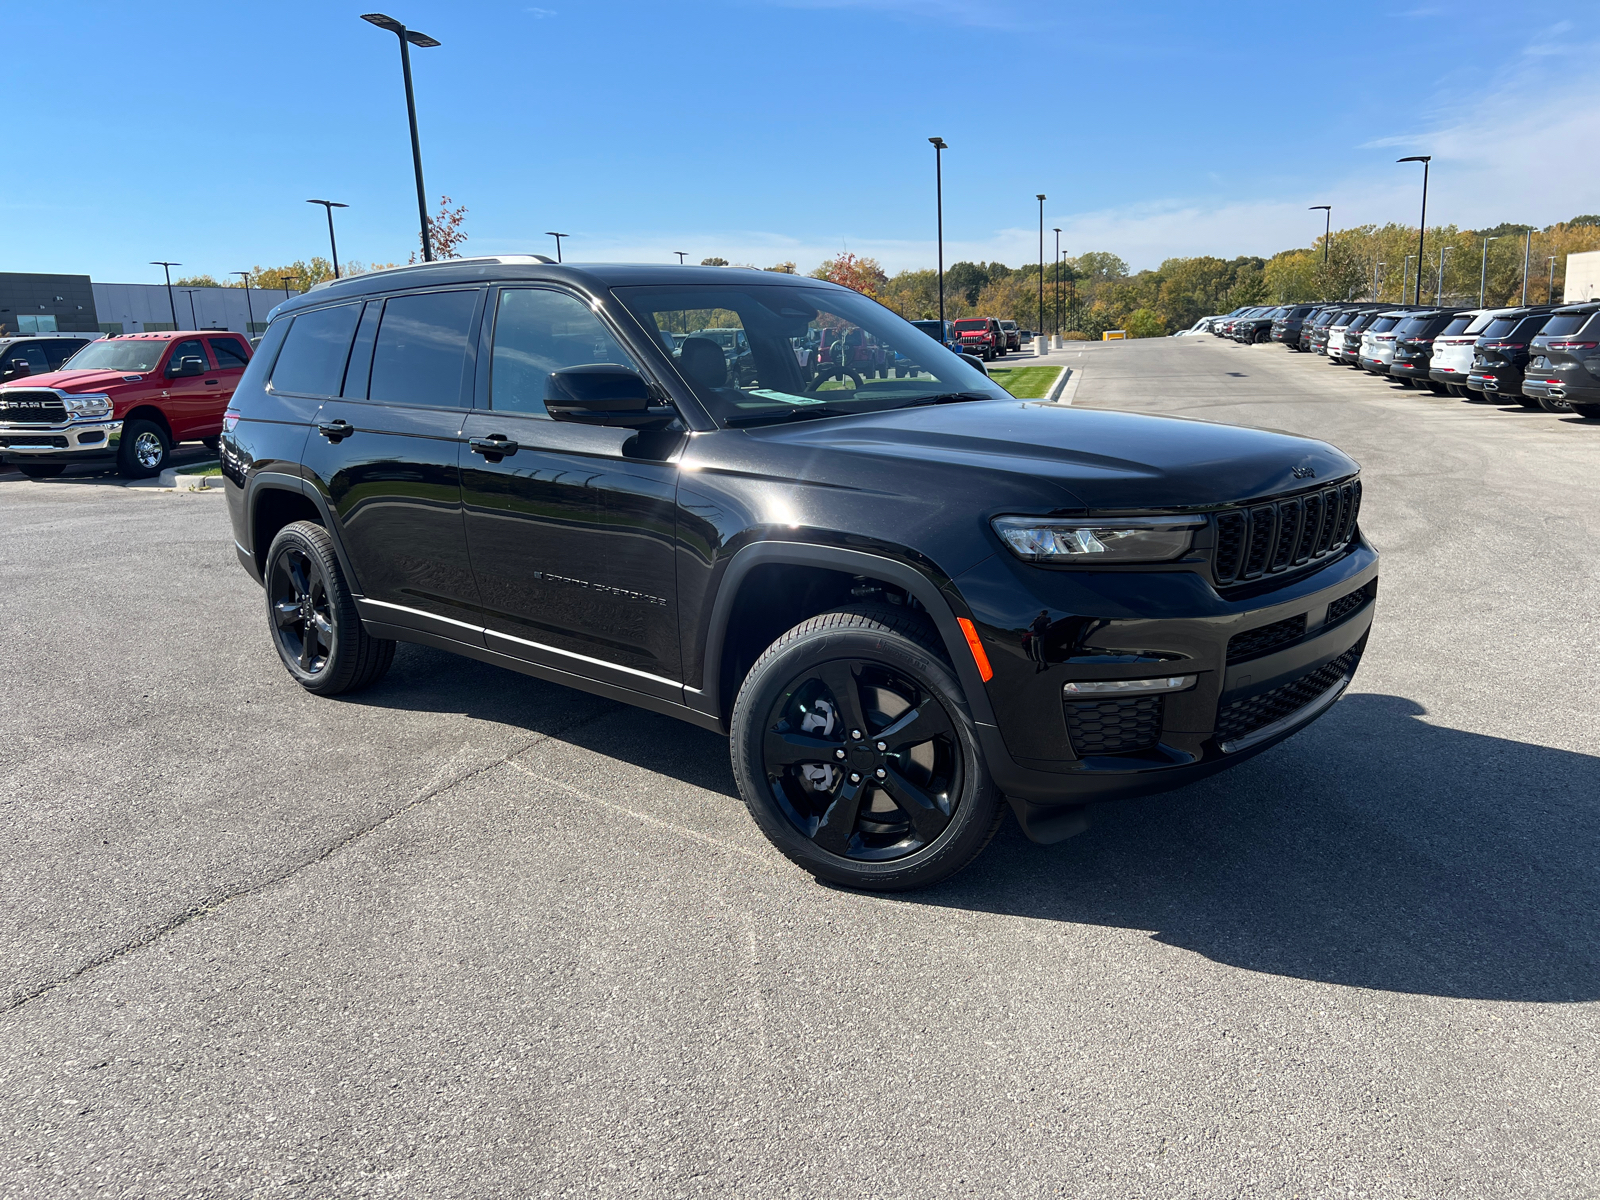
(76, 304)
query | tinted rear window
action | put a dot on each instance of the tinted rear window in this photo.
(1359, 321)
(312, 360)
(1564, 323)
(1532, 325)
(1457, 325)
(230, 353)
(1412, 325)
(1500, 326)
(1381, 325)
(422, 348)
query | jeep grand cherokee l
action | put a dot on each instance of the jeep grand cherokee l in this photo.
(909, 601)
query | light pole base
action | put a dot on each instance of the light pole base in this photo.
(1041, 345)
(1056, 343)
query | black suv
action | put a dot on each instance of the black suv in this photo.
(1564, 372)
(1256, 326)
(904, 598)
(1413, 344)
(1501, 355)
(1286, 325)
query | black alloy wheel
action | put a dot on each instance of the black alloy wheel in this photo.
(312, 616)
(1553, 405)
(855, 752)
(41, 470)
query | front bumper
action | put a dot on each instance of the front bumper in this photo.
(1047, 752)
(69, 441)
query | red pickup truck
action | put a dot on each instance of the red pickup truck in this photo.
(129, 399)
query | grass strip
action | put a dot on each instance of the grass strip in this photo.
(1025, 383)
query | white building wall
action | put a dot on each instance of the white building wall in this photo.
(138, 306)
(1583, 277)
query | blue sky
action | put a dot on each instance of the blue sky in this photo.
(765, 130)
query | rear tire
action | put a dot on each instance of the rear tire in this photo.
(1588, 411)
(1560, 407)
(312, 617)
(807, 729)
(41, 470)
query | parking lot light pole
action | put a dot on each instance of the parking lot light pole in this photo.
(330, 205)
(1483, 271)
(1550, 285)
(250, 312)
(1405, 275)
(1375, 267)
(287, 280)
(1055, 307)
(409, 38)
(558, 237)
(171, 304)
(189, 292)
(1438, 292)
(1422, 226)
(1327, 236)
(939, 148)
(1039, 329)
(681, 255)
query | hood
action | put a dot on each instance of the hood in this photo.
(76, 381)
(1070, 457)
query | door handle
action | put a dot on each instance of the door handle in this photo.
(335, 430)
(213, 382)
(496, 445)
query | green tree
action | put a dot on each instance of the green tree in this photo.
(713, 262)
(1142, 323)
(196, 281)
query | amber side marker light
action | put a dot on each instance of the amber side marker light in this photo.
(985, 671)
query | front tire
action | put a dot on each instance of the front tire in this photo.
(312, 617)
(1588, 411)
(143, 451)
(857, 756)
(41, 470)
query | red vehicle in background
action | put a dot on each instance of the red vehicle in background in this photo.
(981, 336)
(126, 399)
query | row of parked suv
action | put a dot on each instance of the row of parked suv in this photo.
(1541, 356)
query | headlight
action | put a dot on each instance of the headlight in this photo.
(87, 406)
(1117, 539)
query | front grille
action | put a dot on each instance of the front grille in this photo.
(1284, 535)
(1114, 726)
(1269, 637)
(33, 439)
(32, 407)
(1246, 716)
(1345, 605)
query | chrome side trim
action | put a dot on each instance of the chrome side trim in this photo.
(419, 613)
(1298, 717)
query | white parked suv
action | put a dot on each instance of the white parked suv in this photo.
(1452, 349)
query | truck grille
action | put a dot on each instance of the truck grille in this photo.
(1280, 536)
(1256, 712)
(36, 407)
(1114, 726)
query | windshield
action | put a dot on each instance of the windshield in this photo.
(117, 354)
(820, 351)
(969, 326)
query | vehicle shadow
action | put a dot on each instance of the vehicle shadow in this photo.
(1374, 850)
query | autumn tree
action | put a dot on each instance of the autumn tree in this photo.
(860, 274)
(445, 231)
(713, 262)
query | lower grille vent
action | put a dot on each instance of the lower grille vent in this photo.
(1114, 726)
(1269, 637)
(1345, 605)
(1246, 716)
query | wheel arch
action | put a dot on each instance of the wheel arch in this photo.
(153, 414)
(829, 573)
(274, 499)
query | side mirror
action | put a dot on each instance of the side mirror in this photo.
(976, 361)
(185, 368)
(602, 394)
(17, 370)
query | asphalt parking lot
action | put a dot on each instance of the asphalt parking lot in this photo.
(469, 934)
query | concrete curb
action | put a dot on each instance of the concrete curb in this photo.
(1054, 393)
(175, 480)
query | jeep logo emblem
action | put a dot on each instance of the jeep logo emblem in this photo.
(1303, 472)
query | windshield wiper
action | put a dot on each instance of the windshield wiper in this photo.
(948, 398)
(788, 414)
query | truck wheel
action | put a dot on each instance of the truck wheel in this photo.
(212, 443)
(1589, 411)
(1552, 405)
(41, 470)
(312, 616)
(856, 755)
(143, 451)
(1529, 402)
